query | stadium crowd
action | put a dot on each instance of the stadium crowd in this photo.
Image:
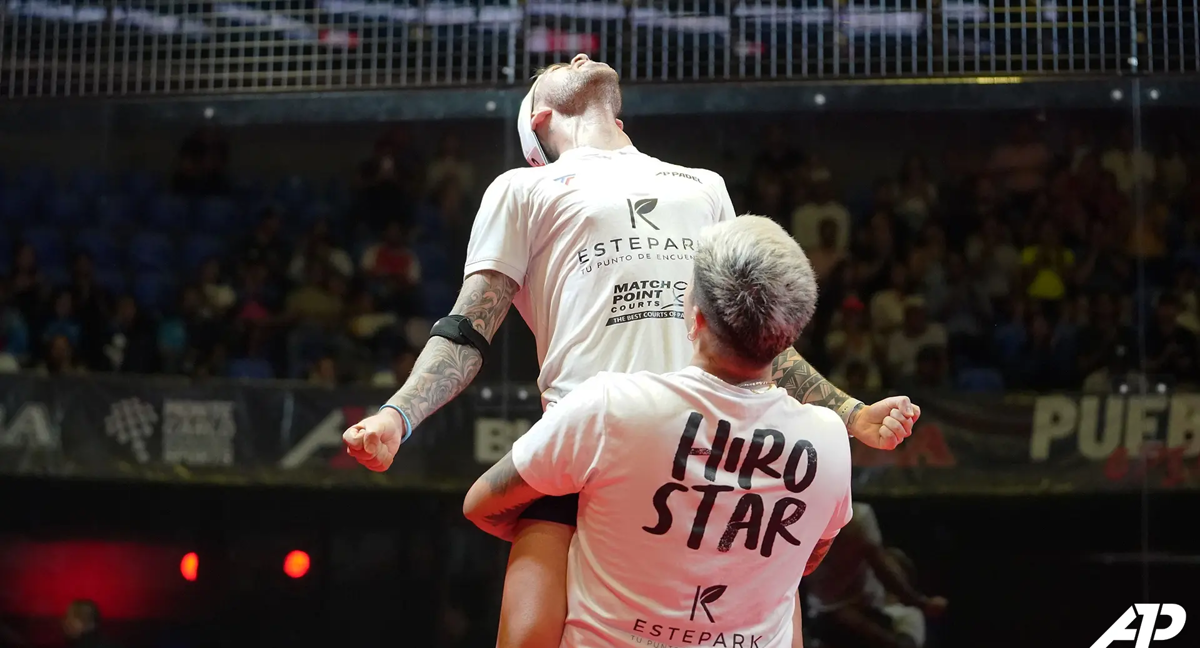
(1020, 269)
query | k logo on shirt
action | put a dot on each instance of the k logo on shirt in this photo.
(703, 598)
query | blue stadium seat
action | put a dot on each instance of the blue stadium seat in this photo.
(980, 380)
(166, 213)
(148, 251)
(433, 259)
(36, 181)
(293, 192)
(101, 246)
(437, 299)
(114, 212)
(15, 207)
(48, 244)
(140, 186)
(65, 210)
(153, 290)
(216, 216)
(89, 183)
(198, 249)
(57, 276)
(114, 281)
(251, 369)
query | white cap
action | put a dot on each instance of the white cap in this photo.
(530, 145)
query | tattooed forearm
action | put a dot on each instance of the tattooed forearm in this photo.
(444, 369)
(503, 476)
(507, 516)
(803, 382)
(818, 554)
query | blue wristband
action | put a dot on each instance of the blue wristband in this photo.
(407, 424)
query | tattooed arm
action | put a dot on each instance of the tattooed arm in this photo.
(444, 369)
(793, 373)
(496, 500)
(817, 555)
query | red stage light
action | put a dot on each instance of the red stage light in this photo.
(296, 564)
(189, 567)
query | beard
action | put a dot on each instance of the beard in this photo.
(583, 89)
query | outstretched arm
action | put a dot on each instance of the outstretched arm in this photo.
(496, 500)
(802, 380)
(444, 369)
(883, 424)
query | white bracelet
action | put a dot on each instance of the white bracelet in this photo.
(847, 408)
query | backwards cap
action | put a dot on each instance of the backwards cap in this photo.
(530, 145)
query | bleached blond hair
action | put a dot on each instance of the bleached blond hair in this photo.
(754, 285)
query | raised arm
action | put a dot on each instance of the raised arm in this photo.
(442, 371)
(883, 424)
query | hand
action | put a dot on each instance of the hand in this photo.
(885, 424)
(374, 441)
(936, 607)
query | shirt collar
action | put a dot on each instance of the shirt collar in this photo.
(587, 151)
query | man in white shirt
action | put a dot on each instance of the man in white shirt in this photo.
(594, 247)
(706, 493)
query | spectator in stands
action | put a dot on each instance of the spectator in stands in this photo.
(1101, 338)
(1171, 350)
(393, 270)
(826, 256)
(318, 248)
(1127, 165)
(397, 373)
(767, 197)
(450, 168)
(932, 370)
(917, 194)
(256, 298)
(218, 295)
(1046, 267)
(385, 188)
(128, 343)
(266, 245)
(1020, 165)
(91, 302)
(917, 332)
(202, 169)
(850, 341)
(887, 305)
(14, 333)
(81, 625)
(777, 156)
(1104, 266)
(965, 308)
(822, 205)
(877, 250)
(184, 334)
(28, 286)
(993, 259)
(59, 359)
(62, 320)
(848, 593)
(1042, 361)
(1148, 236)
(371, 327)
(324, 372)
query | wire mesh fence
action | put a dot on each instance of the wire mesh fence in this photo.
(50, 48)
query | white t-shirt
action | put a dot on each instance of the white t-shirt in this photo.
(681, 538)
(602, 244)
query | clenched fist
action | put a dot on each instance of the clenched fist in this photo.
(374, 441)
(886, 423)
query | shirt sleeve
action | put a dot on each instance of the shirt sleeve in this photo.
(500, 236)
(562, 451)
(725, 210)
(842, 515)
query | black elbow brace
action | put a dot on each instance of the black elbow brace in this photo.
(458, 329)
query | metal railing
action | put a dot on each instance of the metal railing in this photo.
(51, 48)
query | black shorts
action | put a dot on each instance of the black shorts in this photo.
(563, 510)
